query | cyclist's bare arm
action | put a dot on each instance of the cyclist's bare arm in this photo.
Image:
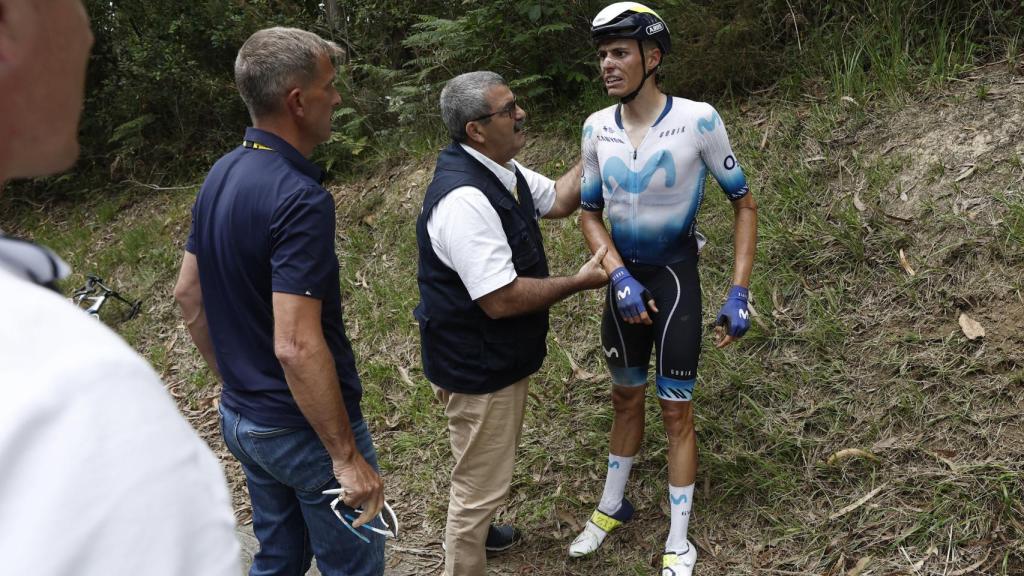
(189, 295)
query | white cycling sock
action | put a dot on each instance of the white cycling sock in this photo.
(615, 483)
(681, 499)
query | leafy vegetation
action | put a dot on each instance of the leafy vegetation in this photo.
(162, 103)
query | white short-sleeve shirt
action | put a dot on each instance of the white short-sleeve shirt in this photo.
(466, 232)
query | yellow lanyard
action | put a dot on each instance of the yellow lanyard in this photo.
(255, 146)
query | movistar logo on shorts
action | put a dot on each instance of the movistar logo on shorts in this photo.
(609, 352)
(655, 28)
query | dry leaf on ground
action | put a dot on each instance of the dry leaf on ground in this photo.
(850, 453)
(966, 172)
(972, 329)
(906, 263)
(860, 567)
(858, 203)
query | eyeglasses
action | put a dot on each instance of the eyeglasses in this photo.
(348, 515)
(506, 110)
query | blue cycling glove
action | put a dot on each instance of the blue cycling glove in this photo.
(735, 315)
(630, 295)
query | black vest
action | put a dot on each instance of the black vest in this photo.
(463, 349)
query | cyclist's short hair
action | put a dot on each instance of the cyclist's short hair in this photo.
(275, 60)
(465, 98)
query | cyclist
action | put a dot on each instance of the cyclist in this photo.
(645, 161)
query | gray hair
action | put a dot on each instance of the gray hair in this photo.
(465, 98)
(275, 60)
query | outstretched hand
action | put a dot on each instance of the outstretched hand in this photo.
(592, 274)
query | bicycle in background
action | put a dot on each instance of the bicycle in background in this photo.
(95, 294)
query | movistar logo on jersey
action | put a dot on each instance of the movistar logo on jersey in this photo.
(588, 131)
(615, 171)
(705, 125)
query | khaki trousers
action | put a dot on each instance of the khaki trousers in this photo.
(484, 430)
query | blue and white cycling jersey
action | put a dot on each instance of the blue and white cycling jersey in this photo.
(653, 192)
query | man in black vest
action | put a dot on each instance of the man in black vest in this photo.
(484, 298)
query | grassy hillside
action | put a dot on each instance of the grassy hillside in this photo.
(855, 429)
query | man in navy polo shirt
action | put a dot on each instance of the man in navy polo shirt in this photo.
(260, 293)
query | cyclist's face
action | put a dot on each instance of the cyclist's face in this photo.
(621, 66)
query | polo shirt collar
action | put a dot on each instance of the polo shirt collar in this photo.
(506, 174)
(282, 147)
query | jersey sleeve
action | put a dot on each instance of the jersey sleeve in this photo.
(591, 197)
(302, 257)
(718, 156)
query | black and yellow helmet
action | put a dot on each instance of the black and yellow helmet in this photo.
(630, 20)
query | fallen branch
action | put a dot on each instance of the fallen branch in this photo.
(858, 503)
(970, 569)
(415, 551)
(160, 188)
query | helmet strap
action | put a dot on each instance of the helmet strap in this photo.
(643, 62)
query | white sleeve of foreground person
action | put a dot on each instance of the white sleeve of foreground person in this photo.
(99, 473)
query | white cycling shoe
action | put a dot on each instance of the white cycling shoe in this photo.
(597, 528)
(679, 564)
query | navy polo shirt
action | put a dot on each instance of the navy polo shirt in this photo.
(262, 223)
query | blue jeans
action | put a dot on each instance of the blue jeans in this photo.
(286, 469)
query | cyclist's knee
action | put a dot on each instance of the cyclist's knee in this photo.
(678, 419)
(628, 399)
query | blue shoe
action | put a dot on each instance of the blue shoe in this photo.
(598, 527)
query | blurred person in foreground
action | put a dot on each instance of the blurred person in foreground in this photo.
(100, 474)
(645, 161)
(260, 293)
